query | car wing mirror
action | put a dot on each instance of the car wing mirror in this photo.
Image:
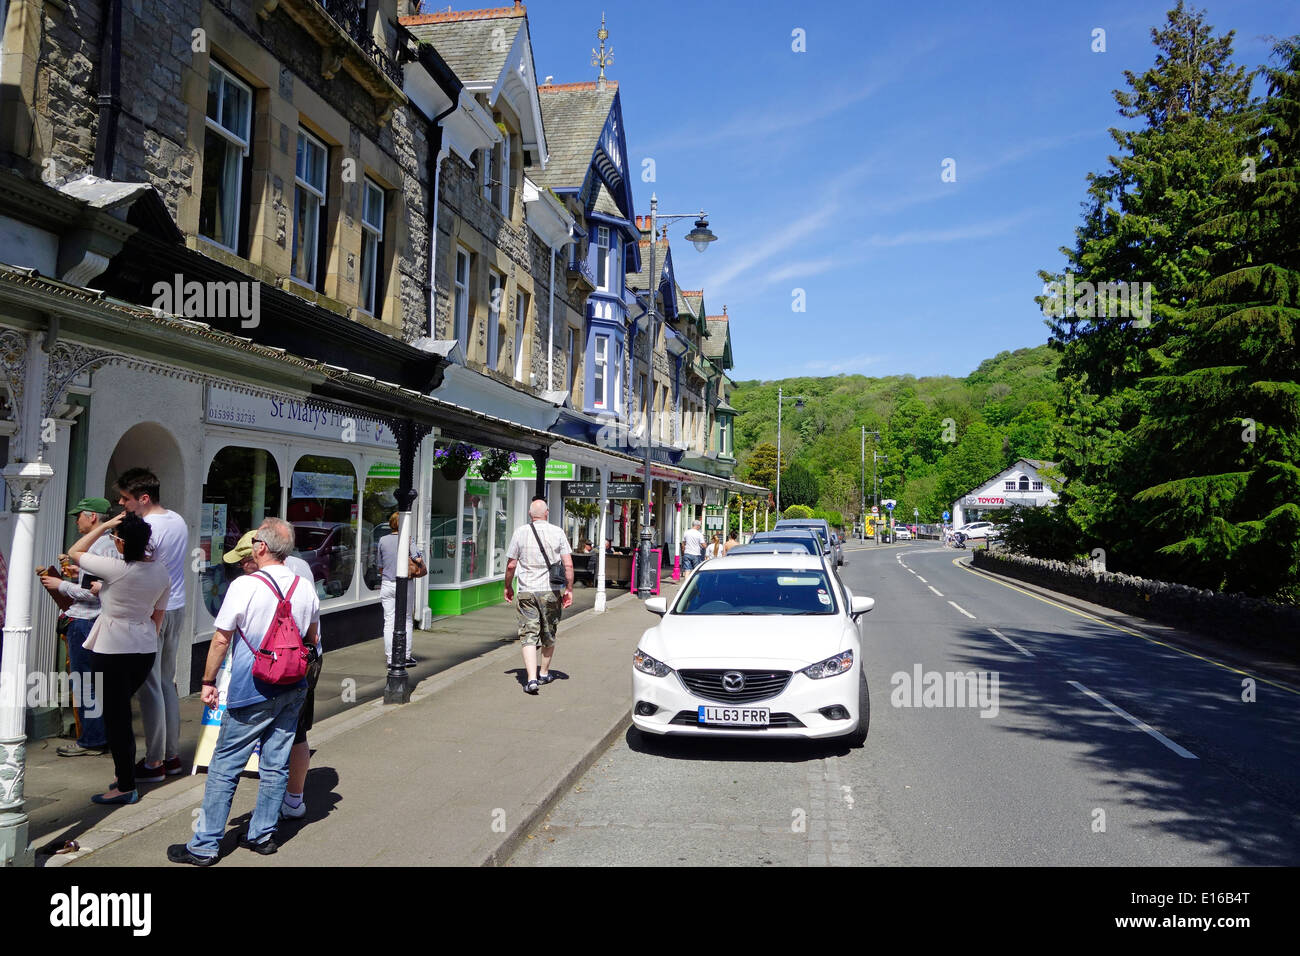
(861, 605)
(657, 605)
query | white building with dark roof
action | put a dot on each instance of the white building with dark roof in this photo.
(1022, 484)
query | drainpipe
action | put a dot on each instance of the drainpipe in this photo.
(110, 90)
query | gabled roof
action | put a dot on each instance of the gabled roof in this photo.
(467, 39)
(483, 48)
(640, 280)
(717, 345)
(606, 204)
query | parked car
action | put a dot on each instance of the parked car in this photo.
(823, 528)
(904, 533)
(806, 538)
(326, 548)
(755, 645)
(980, 530)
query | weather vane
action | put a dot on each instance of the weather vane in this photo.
(603, 58)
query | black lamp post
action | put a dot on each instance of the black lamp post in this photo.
(700, 237)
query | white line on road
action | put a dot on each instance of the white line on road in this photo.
(921, 579)
(931, 587)
(995, 631)
(1140, 724)
(963, 610)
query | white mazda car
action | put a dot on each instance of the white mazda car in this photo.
(755, 645)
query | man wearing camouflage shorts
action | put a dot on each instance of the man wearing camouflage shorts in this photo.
(535, 547)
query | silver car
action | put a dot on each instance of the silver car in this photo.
(830, 540)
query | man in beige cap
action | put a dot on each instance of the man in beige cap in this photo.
(300, 757)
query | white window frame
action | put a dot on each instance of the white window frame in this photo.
(495, 281)
(372, 237)
(521, 329)
(600, 371)
(312, 192)
(1036, 485)
(460, 307)
(486, 188)
(602, 258)
(241, 139)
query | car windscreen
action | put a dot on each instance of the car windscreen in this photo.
(808, 544)
(783, 591)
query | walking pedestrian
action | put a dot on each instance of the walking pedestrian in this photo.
(692, 547)
(82, 613)
(715, 549)
(256, 711)
(160, 707)
(388, 587)
(540, 554)
(300, 757)
(124, 637)
(733, 539)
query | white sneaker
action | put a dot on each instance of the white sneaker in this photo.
(293, 813)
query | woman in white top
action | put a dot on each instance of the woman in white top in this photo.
(714, 549)
(124, 640)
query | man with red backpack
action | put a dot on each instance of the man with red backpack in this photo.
(271, 616)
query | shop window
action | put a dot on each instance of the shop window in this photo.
(378, 503)
(501, 500)
(475, 530)
(323, 512)
(242, 489)
(444, 534)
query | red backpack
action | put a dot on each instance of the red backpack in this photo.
(282, 658)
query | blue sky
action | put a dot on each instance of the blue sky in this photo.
(821, 170)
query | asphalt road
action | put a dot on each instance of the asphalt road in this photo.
(1106, 748)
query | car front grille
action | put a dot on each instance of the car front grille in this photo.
(759, 685)
(691, 718)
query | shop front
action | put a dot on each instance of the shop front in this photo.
(471, 523)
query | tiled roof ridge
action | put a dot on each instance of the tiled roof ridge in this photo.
(451, 16)
(692, 292)
(575, 87)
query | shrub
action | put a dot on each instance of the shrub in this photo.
(798, 511)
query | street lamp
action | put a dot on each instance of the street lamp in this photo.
(780, 403)
(700, 237)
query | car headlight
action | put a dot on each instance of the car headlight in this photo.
(648, 665)
(830, 667)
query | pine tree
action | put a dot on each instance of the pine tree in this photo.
(1223, 425)
(1137, 217)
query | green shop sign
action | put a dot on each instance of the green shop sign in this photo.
(525, 469)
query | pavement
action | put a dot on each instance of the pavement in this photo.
(456, 777)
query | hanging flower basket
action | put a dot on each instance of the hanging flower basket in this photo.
(495, 464)
(454, 460)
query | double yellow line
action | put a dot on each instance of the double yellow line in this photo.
(1126, 630)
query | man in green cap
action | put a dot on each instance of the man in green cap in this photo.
(81, 618)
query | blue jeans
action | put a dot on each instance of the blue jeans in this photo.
(271, 723)
(93, 733)
(690, 561)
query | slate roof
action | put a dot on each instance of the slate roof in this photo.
(641, 280)
(574, 115)
(605, 203)
(718, 343)
(464, 39)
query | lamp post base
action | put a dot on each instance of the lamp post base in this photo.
(645, 575)
(398, 689)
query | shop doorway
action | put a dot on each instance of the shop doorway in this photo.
(149, 445)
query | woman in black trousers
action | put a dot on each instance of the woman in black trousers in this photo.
(124, 639)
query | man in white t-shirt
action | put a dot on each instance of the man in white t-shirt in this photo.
(256, 712)
(692, 547)
(160, 708)
(535, 547)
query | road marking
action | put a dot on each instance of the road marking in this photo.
(921, 579)
(931, 587)
(1011, 642)
(1140, 724)
(1126, 630)
(963, 610)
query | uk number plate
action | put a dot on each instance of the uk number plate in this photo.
(736, 716)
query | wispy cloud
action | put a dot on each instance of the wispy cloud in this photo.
(857, 363)
(979, 230)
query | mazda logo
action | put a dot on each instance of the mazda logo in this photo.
(733, 682)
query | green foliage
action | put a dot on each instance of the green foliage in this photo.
(798, 511)
(833, 518)
(798, 486)
(1041, 533)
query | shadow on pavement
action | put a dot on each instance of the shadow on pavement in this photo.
(726, 749)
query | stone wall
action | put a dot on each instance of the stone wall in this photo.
(1236, 617)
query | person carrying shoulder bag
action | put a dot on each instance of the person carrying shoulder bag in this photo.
(540, 554)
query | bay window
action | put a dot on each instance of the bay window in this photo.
(600, 366)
